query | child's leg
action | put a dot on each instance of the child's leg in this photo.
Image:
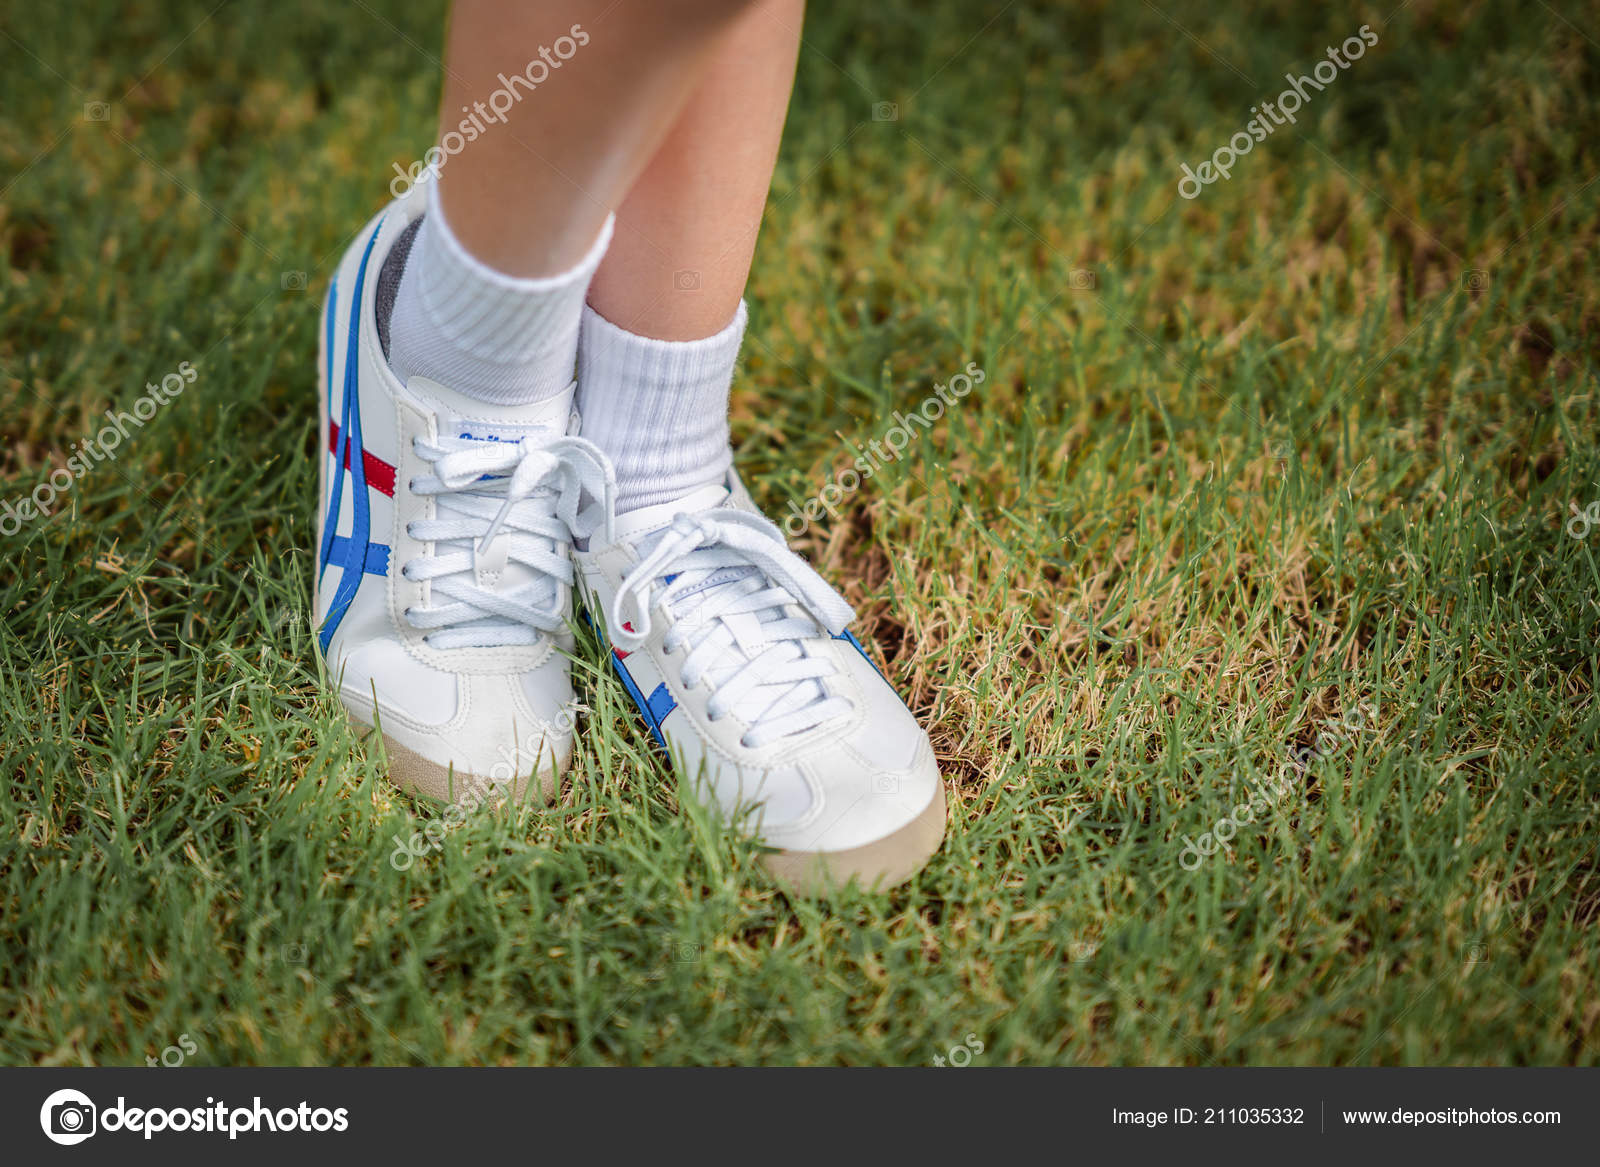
(692, 216)
(529, 197)
(665, 319)
(486, 297)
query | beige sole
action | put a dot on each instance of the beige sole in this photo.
(877, 866)
(414, 774)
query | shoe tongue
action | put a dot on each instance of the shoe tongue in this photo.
(749, 638)
(646, 528)
(648, 525)
(461, 416)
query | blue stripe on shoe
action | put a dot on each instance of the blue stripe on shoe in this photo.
(338, 477)
(327, 347)
(632, 687)
(375, 560)
(661, 704)
(350, 455)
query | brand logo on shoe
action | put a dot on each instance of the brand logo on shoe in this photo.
(511, 434)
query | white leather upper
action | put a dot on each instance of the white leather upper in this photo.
(842, 784)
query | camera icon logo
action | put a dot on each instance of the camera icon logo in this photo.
(68, 1117)
(293, 281)
(686, 281)
(96, 111)
(886, 111)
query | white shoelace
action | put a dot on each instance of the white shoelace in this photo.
(731, 586)
(527, 494)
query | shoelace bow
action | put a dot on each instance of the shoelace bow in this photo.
(528, 493)
(730, 583)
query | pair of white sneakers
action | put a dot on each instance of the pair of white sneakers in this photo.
(453, 536)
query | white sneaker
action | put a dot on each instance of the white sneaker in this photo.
(736, 653)
(444, 578)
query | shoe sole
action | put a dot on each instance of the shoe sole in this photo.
(409, 770)
(414, 774)
(879, 865)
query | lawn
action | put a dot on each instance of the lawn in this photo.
(1267, 533)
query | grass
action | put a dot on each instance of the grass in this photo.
(1297, 453)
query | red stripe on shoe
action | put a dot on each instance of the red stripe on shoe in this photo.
(380, 475)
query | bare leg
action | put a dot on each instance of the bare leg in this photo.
(529, 196)
(696, 208)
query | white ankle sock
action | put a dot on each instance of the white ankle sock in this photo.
(491, 336)
(658, 408)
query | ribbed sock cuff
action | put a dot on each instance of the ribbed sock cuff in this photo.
(658, 408)
(489, 335)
